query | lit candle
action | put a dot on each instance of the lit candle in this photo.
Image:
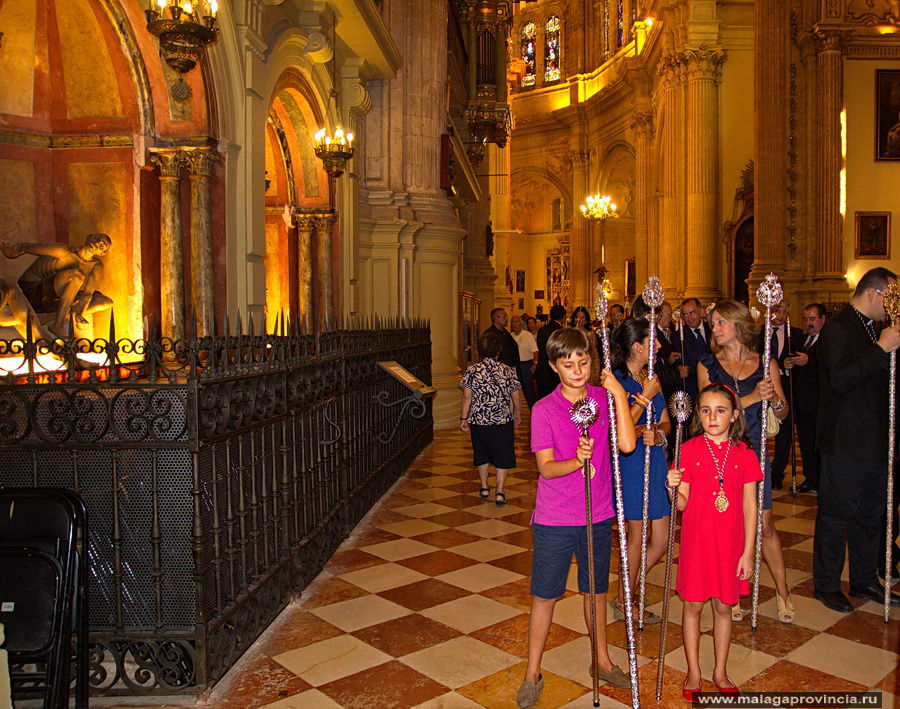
(162, 4)
(320, 135)
(213, 7)
(327, 140)
(349, 138)
(188, 8)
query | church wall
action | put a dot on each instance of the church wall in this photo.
(872, 186)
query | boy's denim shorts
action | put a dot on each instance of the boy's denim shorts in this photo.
(553, 549)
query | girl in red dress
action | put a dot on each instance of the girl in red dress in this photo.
(716, 487)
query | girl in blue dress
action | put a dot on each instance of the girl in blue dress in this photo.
(632, 354)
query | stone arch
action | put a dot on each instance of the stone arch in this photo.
(536, 175)
(614, 240)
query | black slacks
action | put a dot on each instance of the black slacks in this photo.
(851, 504)
(781, 452)
(806, 434)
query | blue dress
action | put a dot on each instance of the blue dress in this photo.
(752, 413)
(632, 464)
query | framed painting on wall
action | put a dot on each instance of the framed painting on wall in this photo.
(520, 281)
(887, 114)
(539, 295)
(873, 235)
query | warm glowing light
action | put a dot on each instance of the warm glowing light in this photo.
(98, 359)
(349, 138)
(162, 4)
(320, 135)
(188, 8)
(213, 7)
(649, 22)
(18, 366)
(598, 207)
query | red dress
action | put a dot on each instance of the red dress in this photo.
(712, 541)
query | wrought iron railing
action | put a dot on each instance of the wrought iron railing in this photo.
(220, 473)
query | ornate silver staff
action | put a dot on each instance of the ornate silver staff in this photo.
(680, 408)
(653, 298)
(769, 294)
(601, 311)
(678, 324)
(892, 308)
(584, 414)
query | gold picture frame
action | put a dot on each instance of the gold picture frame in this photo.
(873, 235)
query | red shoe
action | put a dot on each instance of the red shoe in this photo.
(727, 691)
(688, 694)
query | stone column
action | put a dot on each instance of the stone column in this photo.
(829, 259)
(772, 108)
(646, 256)
(582, 244)
(306, 225)
(203, 287)
(702, 67)
(472, 50)
(500, 30)
(171, 272)
(670, 255)
(324, 224)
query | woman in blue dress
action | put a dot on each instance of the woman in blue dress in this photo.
(735, 362)
(632, 354)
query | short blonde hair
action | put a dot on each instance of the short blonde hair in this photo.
(745, 328)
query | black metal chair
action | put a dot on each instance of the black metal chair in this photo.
(43, 564)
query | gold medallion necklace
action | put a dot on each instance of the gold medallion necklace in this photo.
(721, 501)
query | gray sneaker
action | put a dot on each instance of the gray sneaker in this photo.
(613, 676)
(529, 692)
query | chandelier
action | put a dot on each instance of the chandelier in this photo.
(185, 29)
(597, 208)
(334, 151)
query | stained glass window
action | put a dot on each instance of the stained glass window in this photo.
(620, 24)
(605, 31)
(551, 49)
(529, 35)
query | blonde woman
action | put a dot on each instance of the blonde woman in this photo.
(735, 362)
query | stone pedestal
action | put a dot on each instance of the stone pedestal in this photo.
(171, 273)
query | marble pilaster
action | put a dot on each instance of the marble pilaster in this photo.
(325, 277)
(646, 242)
(828, 268)
(200, 162)
(171, 260)
(306, 226)
(702, 67)
(670, 261)
(581, 243)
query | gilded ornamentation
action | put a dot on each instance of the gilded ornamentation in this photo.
(702, 62)
(642, 123)
(199, 161)
(169, 160)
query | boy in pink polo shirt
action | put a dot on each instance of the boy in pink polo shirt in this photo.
(558, 523)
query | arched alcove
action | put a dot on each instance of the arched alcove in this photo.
(612, 242)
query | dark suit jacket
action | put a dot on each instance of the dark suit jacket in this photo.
(793, 346)
(668, 374)
(545, 377)
(693, 352)
(853, 390)
(806, 381)
(509, 350)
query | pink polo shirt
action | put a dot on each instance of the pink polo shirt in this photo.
(560, 501)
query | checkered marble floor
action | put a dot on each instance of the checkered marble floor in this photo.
(426, 605)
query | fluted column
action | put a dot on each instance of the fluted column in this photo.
(646, 256)
(306, 225)
(171, 260)
(702, 67)
(324, 226)
(828, 256)
(581, 247)
(200, 162)
(669, 255)
(772, 108)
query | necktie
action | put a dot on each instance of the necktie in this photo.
(697, 334)
(808, 343)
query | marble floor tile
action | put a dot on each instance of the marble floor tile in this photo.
(772, 636)
(794, 677)
(486, 549)
(442, 479)
(512, 635)
(261, 680)
(796, 524)
(423, 594)
(808, 612)
(412, 527)
(743, 663)
(470, 613)
(424, 509)
(360, 612)
(328, 590)
(392, 685)
(431, 494)
(295, 628)
(438, 562)
(350, 559)
(450, 700)
(447, 538)
(479, 577)
(459, 662)
(465, 501)
(406, 634)
(310, 699)
(383, 577)
(493, 511)
(869, 628)
(516, 594)
(518, 563)
(491, 528)
(457, 518)
(569, 612)
(499, 689)
(831, 654)
(521, 538)
(573, 660)
(331, 659)
(399, 549)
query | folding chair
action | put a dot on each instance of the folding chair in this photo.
(40, 569)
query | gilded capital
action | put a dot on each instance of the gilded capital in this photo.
(305, 222)
(702, 62)
(580, 158)
(642, 123)
(324, 222)
(169, 160)
(200, 161)
(831, 40)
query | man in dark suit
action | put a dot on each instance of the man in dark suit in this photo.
(783, 344)
(853, 435)
(545, 378)
(804, 369)
(509, 350)
(696, 335)
(668, 376)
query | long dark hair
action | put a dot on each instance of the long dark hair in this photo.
(587, 317)
(737, 430)
(629, 332)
